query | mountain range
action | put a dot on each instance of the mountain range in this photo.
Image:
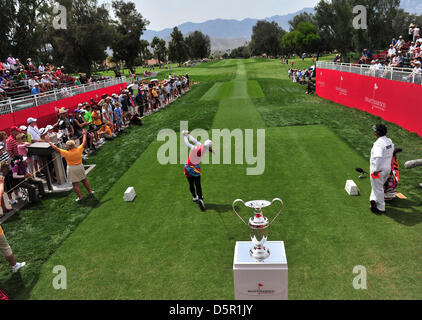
(228, 34)
(224, 33)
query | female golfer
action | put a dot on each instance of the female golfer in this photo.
(75, 168)
(192, 167)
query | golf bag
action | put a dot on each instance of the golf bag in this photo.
(3, 296)
(390, 186)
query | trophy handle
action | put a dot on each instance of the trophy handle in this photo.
(235, 201)
(282, 207)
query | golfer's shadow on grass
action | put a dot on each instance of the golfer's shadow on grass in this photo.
(408, 218)
(222, 209)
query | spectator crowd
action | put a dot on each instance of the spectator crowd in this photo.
(94, 121)
(18, 79)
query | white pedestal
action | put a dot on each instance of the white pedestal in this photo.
(254, 280)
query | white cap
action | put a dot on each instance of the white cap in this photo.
(208, 144)
(23, 128)
(49, 127)
(30, 120)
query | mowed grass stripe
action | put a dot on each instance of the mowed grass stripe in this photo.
(212, 92)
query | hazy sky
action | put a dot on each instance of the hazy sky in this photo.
(169, 13)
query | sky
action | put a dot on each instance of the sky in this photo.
(170, 13)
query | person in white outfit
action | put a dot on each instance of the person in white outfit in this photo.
(380, 168)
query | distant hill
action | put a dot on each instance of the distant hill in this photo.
(222, 30)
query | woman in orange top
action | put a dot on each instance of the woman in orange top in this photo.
(75, 168)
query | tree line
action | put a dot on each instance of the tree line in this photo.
(87, 32)
(331, 28)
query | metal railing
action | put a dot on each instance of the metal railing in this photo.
(15, 104)
(384, 72)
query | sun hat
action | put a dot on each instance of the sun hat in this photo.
(49, 127)
(62, 110)
(43, 131)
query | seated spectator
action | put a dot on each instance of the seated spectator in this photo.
(36, 89)
(41, 68)
(400, 43)
(29, 64)
(366, 57)
(392, 51)
(45, 83)
(398, 60)
(32, 82)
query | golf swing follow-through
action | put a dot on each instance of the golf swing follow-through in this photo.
(192, 167)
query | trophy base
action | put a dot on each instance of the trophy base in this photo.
(260, 253)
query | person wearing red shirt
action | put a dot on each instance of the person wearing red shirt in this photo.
(192, 167)
(12, 143)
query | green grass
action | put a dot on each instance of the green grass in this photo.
(162, 247)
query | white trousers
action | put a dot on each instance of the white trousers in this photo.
(377, 193)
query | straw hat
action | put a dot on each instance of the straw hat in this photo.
(62, 110)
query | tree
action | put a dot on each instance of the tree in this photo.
(334, 21)
(335, 24)
(303, 17)
(7, 18)
(199, 45)
(86, 38)
(178, 51)
(160, 50)
(266, 38)
(145, 54)
(129, 27)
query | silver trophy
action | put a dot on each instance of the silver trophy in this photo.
(259, 226)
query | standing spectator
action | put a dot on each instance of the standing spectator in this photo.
(4, 244)
(410, 34)
(34, 132)
(12, 143)
(416, 33)
(75, 168)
